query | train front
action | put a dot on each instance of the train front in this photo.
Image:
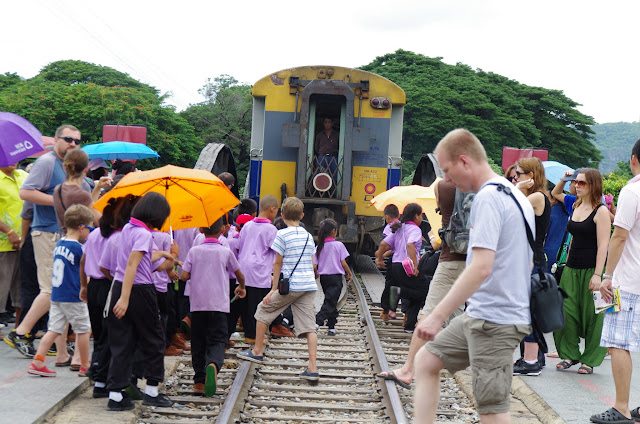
(332, 137)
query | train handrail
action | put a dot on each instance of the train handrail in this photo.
(394, 397)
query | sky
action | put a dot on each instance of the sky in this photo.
(588, 49)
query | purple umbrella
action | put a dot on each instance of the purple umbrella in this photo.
(19, 139)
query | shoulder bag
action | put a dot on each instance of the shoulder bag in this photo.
(283, 283)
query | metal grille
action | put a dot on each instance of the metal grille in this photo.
(327, 164)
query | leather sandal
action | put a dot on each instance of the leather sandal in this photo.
(565, 364)
(585, 369)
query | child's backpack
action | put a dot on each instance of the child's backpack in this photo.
(456, 235)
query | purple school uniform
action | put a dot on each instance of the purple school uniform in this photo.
(209, 265)
(387, 229)
(92, 249)
(255, 254)
(161, 242)
(135, 237)
(223, 241)
(109, 257)
(331, 257)
(408, 233)
(184, 239)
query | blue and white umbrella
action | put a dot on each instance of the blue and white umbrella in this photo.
(113, 150)
(555, 170)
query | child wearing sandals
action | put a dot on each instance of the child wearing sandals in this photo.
(133, 310)
(330, 263)
(69, 292)
(207, 269)
(294, 248)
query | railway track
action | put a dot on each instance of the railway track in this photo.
(347, 392)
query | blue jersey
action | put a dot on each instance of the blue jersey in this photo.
(66, 271)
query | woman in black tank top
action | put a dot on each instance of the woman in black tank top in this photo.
(590, 227)
(531, 180)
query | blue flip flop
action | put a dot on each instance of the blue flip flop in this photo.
(311, 376)
(247, 355)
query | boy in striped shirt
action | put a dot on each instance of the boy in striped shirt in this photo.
(294, 249)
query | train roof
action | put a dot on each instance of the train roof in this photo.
(382, 86)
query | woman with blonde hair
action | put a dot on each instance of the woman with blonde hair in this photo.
(532, 181)
(590, 227)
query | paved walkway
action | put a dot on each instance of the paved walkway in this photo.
(26, 398)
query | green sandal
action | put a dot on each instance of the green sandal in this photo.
(565, 364)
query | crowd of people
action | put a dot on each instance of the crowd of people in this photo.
(142, 293)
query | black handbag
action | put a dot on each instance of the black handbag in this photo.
(547, 298)
(283, 283)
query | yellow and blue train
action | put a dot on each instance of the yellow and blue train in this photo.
(289, 108)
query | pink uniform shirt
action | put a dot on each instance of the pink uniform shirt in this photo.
(109, 257)
(209, 265)
(331, 257)
(255, 254)
(92, 249)
(161, 242)
(408, 233)
(135, 237)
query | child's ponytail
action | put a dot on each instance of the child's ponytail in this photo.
(326, 227)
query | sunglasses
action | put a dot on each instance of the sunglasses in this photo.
(70, 139)
(580, 183)
(512, 179)
(89, 228)
(518, 173)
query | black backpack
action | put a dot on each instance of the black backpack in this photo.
(456, 235)
(547, 298)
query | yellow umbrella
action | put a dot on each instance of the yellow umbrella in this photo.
(197, 197)
(401, 196)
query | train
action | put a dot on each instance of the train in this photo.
(290, 109)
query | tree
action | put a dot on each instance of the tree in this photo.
(9, 78)
(48, 103)
(225, 117)
(500, 111)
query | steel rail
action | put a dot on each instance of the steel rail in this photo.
(234, 393)
(394, 397)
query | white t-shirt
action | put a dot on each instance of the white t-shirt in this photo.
(296, 244)
(497, 224)
(625, 276)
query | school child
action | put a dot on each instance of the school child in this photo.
(178, 303)
(294, 248)
(162, 278)
(133, 310)
(391, 215)
(245, 212)
(329, 262)
(69, 292)
(207, 268)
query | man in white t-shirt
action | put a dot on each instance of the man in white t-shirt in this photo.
(496, 283)
(619, 331)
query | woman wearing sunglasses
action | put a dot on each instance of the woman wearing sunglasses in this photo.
(511, 174)
(590, 227)
(531, 180)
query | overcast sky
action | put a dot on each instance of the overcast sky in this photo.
(589, 49)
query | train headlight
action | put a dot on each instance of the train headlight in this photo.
(380, 103)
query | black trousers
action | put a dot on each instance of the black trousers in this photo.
(208, 339)
(331, 286)
(29, 287)
(97, 292)
(253, 299)
(141, 324)
(180, 303)
(388, 282)
(412, 288)
(163, 309)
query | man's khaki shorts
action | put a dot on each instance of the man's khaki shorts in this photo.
(43, 245)
(446, 274)
(302, 305)
(488, 348)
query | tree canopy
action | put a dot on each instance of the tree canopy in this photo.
(500, 111)
(89, 96)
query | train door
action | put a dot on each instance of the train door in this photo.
(325, 159)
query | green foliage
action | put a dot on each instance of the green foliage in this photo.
(500, 111)
(615, 141)
(623, 170)
(612, 184)
(225, 117)
(9, 78)
(49, 102)
(496, 168)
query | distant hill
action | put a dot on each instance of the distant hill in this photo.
(615, 140)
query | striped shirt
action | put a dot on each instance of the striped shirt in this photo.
(291, 243)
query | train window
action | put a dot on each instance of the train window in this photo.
(326, 146)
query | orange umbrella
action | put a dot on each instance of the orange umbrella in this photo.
(401, 196)
(197, 197)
